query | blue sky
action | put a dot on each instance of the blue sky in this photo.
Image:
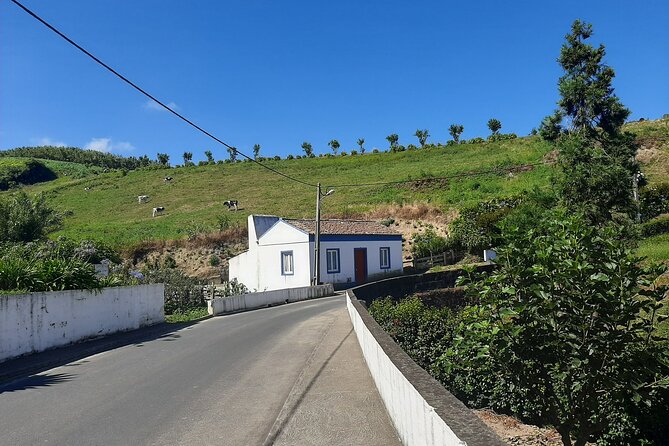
(279, 73)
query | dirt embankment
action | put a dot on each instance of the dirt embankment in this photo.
(204, 256)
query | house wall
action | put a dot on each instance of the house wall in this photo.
(260, 268)
(283, 237)
(244, 268)
(346, 246)
(38, 321)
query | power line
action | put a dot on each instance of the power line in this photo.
(142, 91)
(452, 177)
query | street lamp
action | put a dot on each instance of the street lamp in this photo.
(317, 244)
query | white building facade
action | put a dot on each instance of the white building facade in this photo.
(281, 253)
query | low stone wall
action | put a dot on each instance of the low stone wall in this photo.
(399, 287)
(39, 321)
(421, 409)
(250, 301)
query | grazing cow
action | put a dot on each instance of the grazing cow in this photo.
(142, 198)
(232, 204)
(168, 179)
(87, 189)
(158, 210)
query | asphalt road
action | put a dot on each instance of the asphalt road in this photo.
(222, 381)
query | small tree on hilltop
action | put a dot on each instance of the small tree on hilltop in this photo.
(361, 143)
(422, 136)
(163, 159)
(232, 154)
(256, 151)
(393, 138)
(188, 158)
(308, 150)
(564, 333)
(210, 156)
(494, 125)
(334, 145)
(456, 130)
(598, 160)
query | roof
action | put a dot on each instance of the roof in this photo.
(263, 222)
(336, 227)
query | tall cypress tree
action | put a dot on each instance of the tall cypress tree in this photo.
(597, 159)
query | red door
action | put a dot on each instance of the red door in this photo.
(360, 264)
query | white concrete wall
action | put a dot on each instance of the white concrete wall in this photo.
(244, 267)
(283, 237)
(38, 321)
(347, 263)
(416, 421)
(259, 300)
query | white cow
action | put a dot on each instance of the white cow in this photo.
(142, 198)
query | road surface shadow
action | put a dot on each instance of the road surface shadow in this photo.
(35, 382)
(278, 428)
(38, 362)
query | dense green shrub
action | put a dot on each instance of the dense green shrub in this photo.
(423, 332)
(51, 274)
(653, 201)
(659, 225)
(477, 228)
(23, 219)
(427, 244)
(564, 335)
(182, 293)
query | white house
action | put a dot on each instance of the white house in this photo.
(281, 253)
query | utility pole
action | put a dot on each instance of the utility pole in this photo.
(317, 244)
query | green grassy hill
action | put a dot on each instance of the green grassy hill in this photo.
(104, 206)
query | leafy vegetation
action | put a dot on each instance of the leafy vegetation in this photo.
(81, 156)
(24, 219)
(17, 171)
(557, 319)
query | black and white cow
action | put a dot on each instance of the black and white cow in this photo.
(158, 210)
(232, 204)
(168, 179)
(142, 198)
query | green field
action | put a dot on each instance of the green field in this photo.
(109, 211)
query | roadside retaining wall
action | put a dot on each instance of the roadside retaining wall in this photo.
(242, 302)
(421, 409)
(39, 321)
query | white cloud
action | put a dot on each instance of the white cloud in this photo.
(107, 145)
(153, 105)
(47, 142)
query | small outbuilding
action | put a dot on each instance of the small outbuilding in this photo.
(281, 253)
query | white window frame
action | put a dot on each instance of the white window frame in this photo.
(287, 263)
(385, 249)
(333, 263)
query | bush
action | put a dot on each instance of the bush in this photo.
(354, 152)
(51, 274)
(223, 222)
(477, 140)
(24, 219)
(290, 157)
(375, 151)
(654, 201)
(214, 260)
(182, 293)
(563, 334)
(428, 244)
(423, 332)
(14, 172)
(659, 225)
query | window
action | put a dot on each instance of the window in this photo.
(384, 258)
(287, 263)
(332, 257)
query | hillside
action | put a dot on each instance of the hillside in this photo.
(104, 206)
